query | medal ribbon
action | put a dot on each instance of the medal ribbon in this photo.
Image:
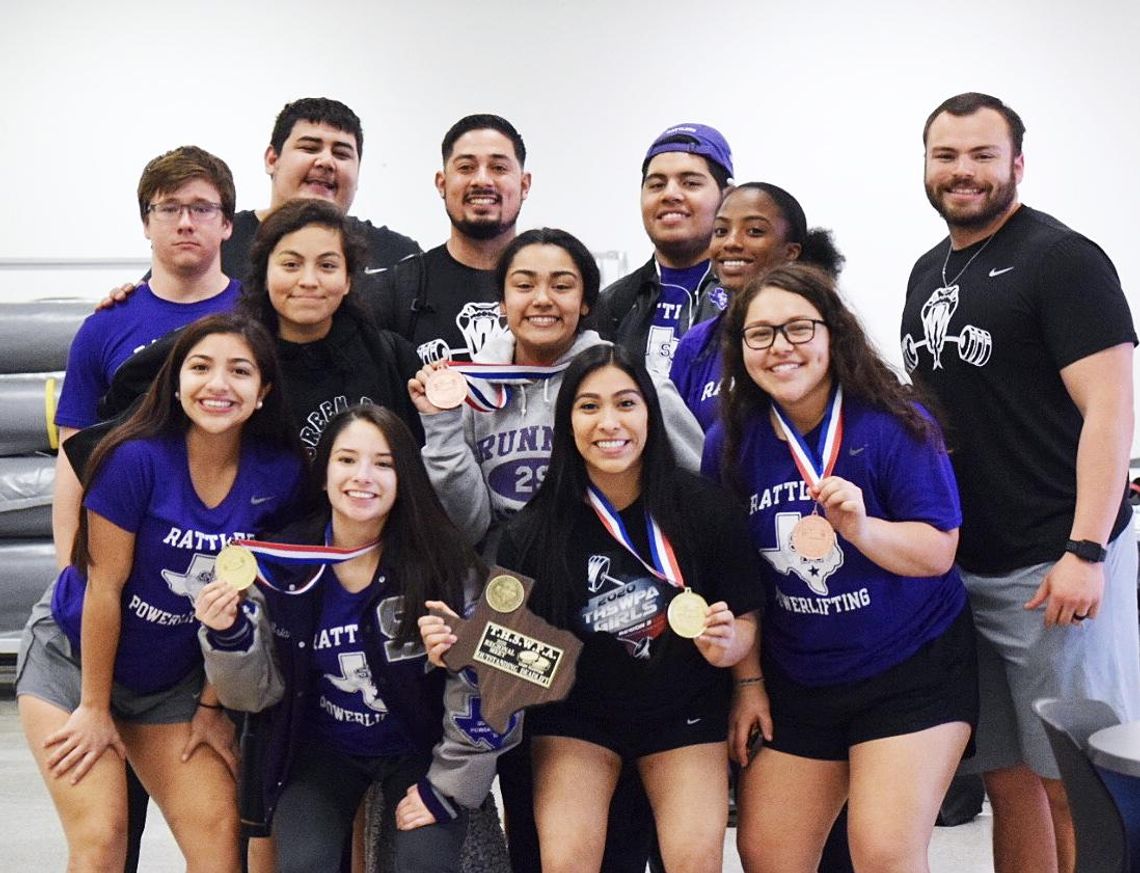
(489, 385)
(665, 565)
(297, 555)
(814, 466)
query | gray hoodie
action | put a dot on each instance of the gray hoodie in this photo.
(487, 465)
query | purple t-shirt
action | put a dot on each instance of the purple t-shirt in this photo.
(110, 336)
(844, 618)
(144, 487)
(348, 713)
(697, 371)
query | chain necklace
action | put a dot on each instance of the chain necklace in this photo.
(950, 250)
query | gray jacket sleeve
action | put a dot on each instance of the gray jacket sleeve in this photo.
(464, 760)
(241, 663)
(455, 473)
(685, 434)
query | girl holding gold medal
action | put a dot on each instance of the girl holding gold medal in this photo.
(628, 551)
(865, 686)
(329, 647)
(110, 666)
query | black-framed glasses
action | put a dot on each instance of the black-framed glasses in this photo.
(797, 332)
(200, 211)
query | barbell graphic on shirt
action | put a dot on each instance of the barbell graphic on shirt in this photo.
(974, 347)
(974, 343)
(598, 573)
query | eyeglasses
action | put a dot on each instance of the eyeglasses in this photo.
(170, 212)
(797, 332)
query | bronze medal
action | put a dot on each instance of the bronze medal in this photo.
(445, 388)
(236, 565)
(505, 593)
(813, 537)
(687, 614)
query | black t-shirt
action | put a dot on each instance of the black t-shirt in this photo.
(385, 247)
(632, 664)
(991, 347)
(446, 309)
(355, 363)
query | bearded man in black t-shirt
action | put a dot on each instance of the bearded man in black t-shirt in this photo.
(1018, 325)
(445, 301)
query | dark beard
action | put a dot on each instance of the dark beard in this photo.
(481, 230)
(1003, 198)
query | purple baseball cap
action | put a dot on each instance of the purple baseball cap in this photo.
(697, 139)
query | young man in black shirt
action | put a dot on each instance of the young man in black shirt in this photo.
(444, 301)
(314, 151)
(1019, 327)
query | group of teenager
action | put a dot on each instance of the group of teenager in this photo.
(716, 423)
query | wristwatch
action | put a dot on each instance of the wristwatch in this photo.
(1087, 550)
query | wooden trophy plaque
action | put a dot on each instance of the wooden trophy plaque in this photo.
(520, 659)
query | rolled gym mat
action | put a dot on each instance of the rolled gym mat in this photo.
(35, 336)
(25, 495)
(27, 412)
(27, 567)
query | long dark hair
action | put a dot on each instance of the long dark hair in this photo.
(545, 526)
(289, 217)
(160, 411)
(855, 363)
(419, 541)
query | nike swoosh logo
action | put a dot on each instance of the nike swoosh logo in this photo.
(371, 270)
(857, 451)
(257, 501)
(691, 720)
(995, 272)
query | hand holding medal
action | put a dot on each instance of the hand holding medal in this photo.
(843, 503)
(813, 536)
(437, 388)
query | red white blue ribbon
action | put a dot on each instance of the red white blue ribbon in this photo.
(816, 465)
(489, 386)
(298, 555)
(665, 565)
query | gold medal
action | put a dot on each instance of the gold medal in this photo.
(687, 614)
(236, 565)
(445, 388)
(813, 537)
(505, 593)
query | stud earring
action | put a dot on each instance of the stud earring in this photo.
(259, 404)
(177, 396)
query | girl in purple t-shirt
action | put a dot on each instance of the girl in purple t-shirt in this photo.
(110, 664)
(864, 688)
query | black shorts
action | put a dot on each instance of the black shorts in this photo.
(703, 720)
(936, 685)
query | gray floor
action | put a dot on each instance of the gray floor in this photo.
(31, 839)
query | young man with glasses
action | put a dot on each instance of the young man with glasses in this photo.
(186, 202)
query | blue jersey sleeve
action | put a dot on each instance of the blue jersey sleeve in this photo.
(918, 482)
(122, 488)
(85, 381)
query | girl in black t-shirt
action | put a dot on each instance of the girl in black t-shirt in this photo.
(643, 693)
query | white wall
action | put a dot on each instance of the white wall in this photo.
(826, 99)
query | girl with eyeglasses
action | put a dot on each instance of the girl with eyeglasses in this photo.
(863, 687)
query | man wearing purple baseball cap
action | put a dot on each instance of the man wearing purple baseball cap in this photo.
(684, 174)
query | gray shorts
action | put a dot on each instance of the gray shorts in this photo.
(47, 669)
(1020, 660)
